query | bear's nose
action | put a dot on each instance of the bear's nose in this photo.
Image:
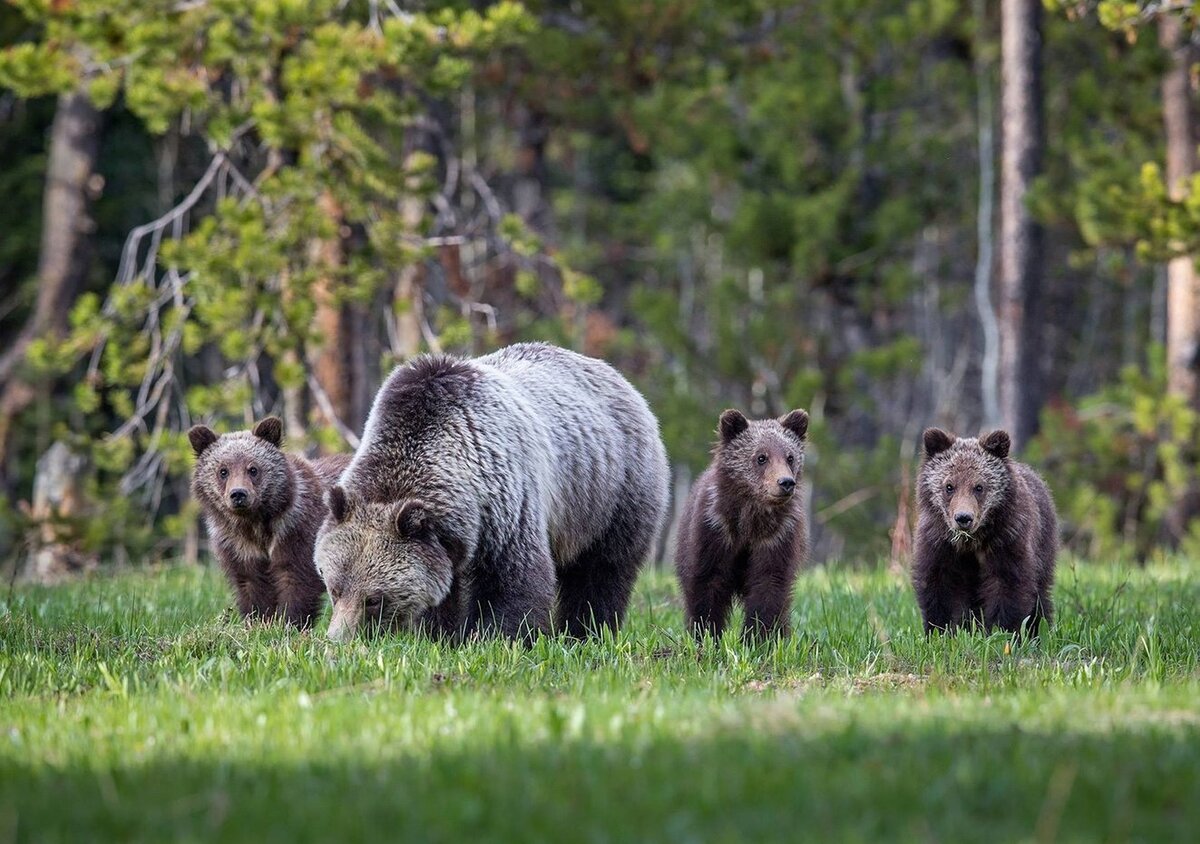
(788, 484)
(238, 497)
(964, 519)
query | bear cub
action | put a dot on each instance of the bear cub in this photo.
(744, 531)
(262, 508)
(986, 536)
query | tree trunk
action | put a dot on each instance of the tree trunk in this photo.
(64, 253)
(1020, 235)
(58, 502)
(1183, 298)
(409, 293)
(331, 360)
(985, 230)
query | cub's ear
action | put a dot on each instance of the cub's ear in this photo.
(412, 518)
(270, 429)
(796, 422)
(936, 441)
(997, 443)
(201, 437)
(338, 504)
(732, 423)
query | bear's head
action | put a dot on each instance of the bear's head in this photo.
(762, 459)
(966, 479)
(384, 564)
(244, 475)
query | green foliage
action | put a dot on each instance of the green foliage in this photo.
(1119, 461)
(137, 708)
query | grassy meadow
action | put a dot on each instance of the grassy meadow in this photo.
(135, 707)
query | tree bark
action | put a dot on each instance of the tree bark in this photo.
(64, 253)
(1020, 236)
(1183, 297)
(985, 230)
(331, 360)
(58, 500)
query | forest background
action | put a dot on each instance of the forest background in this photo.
(893, 214)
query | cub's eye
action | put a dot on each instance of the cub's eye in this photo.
(223, 473)
(335, 595)
(978, 488)
(254, 471)
(762, 458)
(791, 460)
(949, 487)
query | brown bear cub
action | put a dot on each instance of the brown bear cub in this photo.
(986, 536)
(262, 508)
(744, 531)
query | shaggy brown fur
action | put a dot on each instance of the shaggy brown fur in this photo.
(986, 536)
(743, 530)
(263, 508)
(511, 494)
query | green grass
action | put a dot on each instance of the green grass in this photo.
(135, 708)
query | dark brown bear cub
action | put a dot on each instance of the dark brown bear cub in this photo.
(262, 508)
(986, 536)
(743, 530)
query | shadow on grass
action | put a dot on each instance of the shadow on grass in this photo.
(857, 782)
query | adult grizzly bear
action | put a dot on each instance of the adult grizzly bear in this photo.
(986, 536)
(484, 488)
(263, 508)
(743, 530)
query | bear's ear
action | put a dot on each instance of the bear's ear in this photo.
(412, 518)
(796, 422)
(997, 443)
(270, 430)
(201, 437)
(732, 423)
(338, 504)
(936, 441)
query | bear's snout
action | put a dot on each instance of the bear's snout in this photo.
(964, 520)
(787, 485)
(239, 498)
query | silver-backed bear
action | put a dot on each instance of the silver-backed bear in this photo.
(487, 490)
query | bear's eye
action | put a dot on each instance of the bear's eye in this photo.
(223, 473)
(253, 471)
(762, 458)
(978, 488)
(791, 460)
(949, 487)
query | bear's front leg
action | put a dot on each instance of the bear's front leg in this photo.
(512, 592)
(1008, 597)
(707, 582)
(944, 593)
(768, 592)
(298, 586)
(253, 591)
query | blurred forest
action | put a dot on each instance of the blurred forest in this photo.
(893, 213)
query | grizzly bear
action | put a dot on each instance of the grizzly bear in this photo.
(986, 536)
(487, 491)
(744, 531)
(262, 508)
